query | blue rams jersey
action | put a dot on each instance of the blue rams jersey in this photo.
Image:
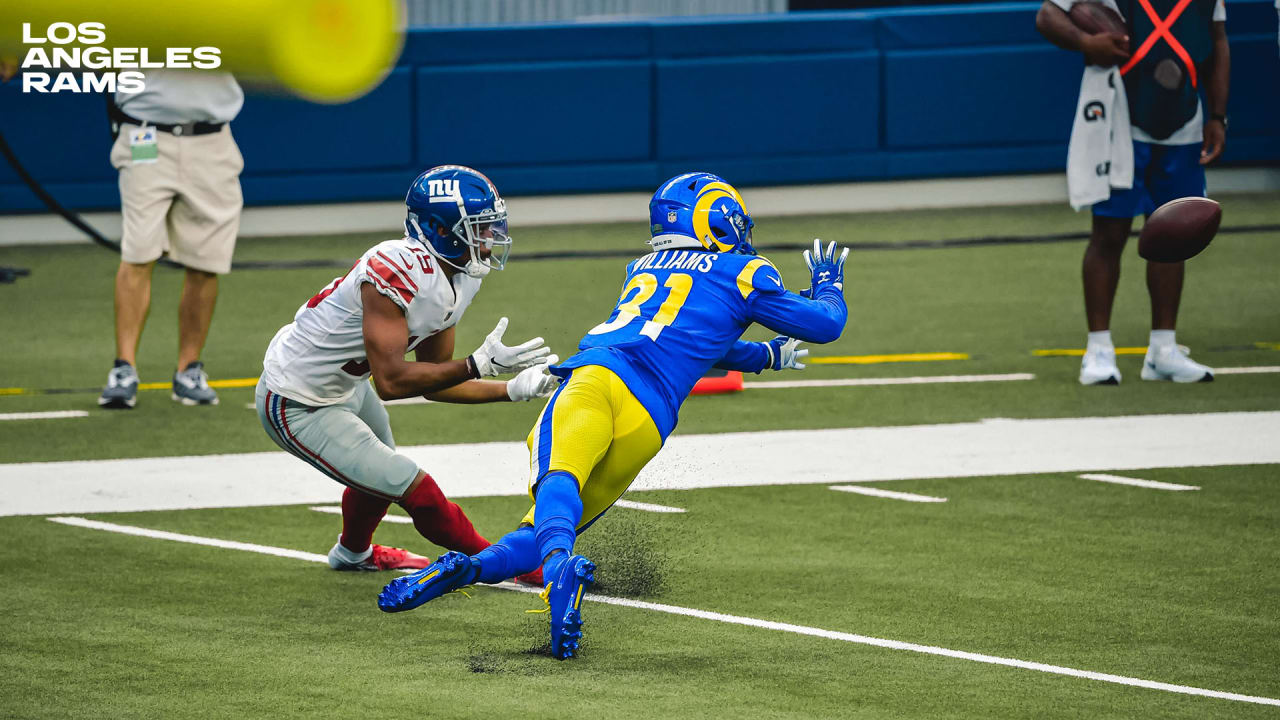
(682, 311)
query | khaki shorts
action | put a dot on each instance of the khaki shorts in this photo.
(186, 203)
(350, 442)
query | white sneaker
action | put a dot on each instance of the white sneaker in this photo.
(1171, 363)
(1099, 367)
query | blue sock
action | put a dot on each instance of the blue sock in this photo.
(558, 509)
(515, 554)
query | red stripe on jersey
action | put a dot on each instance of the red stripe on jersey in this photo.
(402, 271)
(390, 279)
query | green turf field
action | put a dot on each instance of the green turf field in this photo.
(1174, 587)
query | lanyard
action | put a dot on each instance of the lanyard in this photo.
(1162, 31)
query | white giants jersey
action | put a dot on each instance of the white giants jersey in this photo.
(319, 358)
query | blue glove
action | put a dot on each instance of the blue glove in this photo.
(825, 268)
(783, 354)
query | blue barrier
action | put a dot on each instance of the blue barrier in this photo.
(761, 99)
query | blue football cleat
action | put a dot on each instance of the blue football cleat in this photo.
(451, 571)
(565, 598)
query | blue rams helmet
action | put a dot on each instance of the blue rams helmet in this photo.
(455, 211)
(701, 211)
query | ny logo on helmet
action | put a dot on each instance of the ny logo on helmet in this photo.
(442, 190)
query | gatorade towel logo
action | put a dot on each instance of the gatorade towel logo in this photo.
(1094, 111)
(443, 190)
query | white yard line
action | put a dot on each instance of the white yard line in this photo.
(920, 380)
(648, 507)
(193, 539)
(1153, 484)
(337, 510)
(1247, 370)
(890, 494)
(50, 415)
(721, 617)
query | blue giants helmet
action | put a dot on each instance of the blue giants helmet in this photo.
(455, 211)
(701, 211)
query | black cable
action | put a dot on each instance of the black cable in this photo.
(56, 207)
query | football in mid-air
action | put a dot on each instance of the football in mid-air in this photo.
(1093, 17)
(1179, 229)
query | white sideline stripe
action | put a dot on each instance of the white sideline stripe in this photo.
(1247, 370)
(776, 457)
(337, 510)
(648, 507)
(919, 380)
(718, 617)
(892, 495)
(50, 415)
(1153, 484)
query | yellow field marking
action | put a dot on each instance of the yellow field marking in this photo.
(1073, 352)
(234, 383)
(1267, 346)
(873, 359)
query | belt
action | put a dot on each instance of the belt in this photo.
(119, 117)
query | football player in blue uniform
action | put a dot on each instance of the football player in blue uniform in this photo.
(682, 310)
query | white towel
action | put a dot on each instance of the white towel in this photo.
(1100, 154)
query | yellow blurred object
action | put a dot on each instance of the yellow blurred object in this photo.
(324, 50)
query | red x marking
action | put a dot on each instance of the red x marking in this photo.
(1162, 31)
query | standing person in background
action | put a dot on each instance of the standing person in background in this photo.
(1173, 139)
(179, 192)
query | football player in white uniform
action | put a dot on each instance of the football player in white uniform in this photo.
(314, 398)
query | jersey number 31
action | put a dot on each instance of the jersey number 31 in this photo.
(645, 285)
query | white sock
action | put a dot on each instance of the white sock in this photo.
(350, 556)
(1100, 340)
(1162, 338)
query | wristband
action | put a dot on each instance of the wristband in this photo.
(472, 370)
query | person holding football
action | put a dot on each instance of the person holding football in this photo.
(314, 398)
(1171, 48)
(682, 310)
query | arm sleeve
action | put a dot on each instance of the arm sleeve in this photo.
(752, 357)
(771, 305)
(820, 320)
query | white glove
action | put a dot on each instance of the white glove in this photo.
(533, 382)
(783, 354)
(494, 358)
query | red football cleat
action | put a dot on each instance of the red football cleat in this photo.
(531, 578)
(382, 558)
(389, 558)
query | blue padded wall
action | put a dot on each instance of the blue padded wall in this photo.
(761, 99)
